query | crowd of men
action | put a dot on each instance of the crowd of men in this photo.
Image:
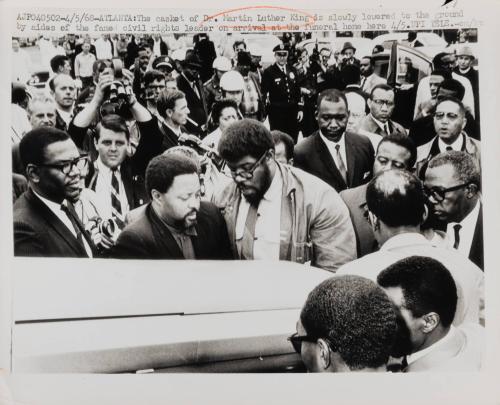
(154, 154)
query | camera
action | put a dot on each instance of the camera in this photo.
(121, 88)
(107, 227)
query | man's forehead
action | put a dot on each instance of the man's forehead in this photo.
(385, 94)
(62, 150)
(436, 78)
(42, 107)
(393, 151)
(109, 134)
(328, 106)
(440, 175)
(395, 294)
(448, 106)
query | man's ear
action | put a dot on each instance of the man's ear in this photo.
(271, 153)
(155, 195)
(32, 173)
(430, 322)
(425, 214)
(472, 190)
(324, 353)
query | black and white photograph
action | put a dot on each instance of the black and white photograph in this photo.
(265, 201)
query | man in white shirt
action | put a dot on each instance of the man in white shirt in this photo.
(104, 47)
(45, 222)
(423, 291)
(452, 182)
(84, 63)
(21, 63)
(396, 209)
(63, 89)
(278, 212)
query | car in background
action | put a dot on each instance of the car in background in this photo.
(157, 316)
(432, 43)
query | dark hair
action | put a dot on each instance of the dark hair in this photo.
(455, 86)
(350, 74)
(114, 123)
(238, 43)
(405, 142)
(332, 95)
(427, 286)
(34, 143)
(163, 169)
(151, 75)
(144, 46)
(437, 63)
(454, 100)
(377, 49)
(167, 99)
(397, 198)
(58, 61)
(220, 105)
(381, 86)
(440, 72)
(243, 138)
(355, 316)
(466, 168)
(285, 139)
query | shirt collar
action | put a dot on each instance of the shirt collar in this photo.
(329, 142)
(405, 239)
(421, 353)
(379, 123)
(176, 131)
(102, 168)
(55, 207)
(274, 191)
(457, 145)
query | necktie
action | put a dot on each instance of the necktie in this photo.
(249, 233)
(387, 129)
(363, 81)
(457, 228)
(65, 207)
(340, 164)
(116, 205)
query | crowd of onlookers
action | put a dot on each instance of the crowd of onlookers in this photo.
(136, 150)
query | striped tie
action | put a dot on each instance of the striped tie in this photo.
(116, 205)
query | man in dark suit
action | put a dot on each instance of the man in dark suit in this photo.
(342, 159)
(190, 84)
(281, 84)
(452, 184)
(395, 151)
(175, 225)
(45, 222)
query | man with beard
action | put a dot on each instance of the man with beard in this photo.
(277, 212)
(369, 78)
(346, 324)
(424, 293)
(342, 159)
(396, 209)
(45, 222)
(176, 224)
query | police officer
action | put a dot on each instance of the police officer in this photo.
(280, 84)
(212, 88)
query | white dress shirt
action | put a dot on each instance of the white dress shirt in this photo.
(267, 228)
(333, 151)
(421, 353)
(457, 145)
(466, 232)
(103, 190)
(59, 213)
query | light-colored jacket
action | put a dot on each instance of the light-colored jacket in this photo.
(472, 147)
(315, 223)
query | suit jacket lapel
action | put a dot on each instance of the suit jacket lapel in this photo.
(350, 157)
(55, 223)
(327, 159)
(476, 252)
(126, 175)
(163, 237)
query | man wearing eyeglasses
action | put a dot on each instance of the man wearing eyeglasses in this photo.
(45, 222)
(449, 123)
(381, 104)
(396, 210)
(452, 184)
(277, 212)
(347, 324)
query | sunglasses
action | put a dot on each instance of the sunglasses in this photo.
(439, 193)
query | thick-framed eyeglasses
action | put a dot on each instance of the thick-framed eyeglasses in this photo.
(247, 174)
(382, 102)
(439, 193)
(296, 341)
(80, 163)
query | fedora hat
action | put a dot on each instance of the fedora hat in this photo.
(347, 45)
